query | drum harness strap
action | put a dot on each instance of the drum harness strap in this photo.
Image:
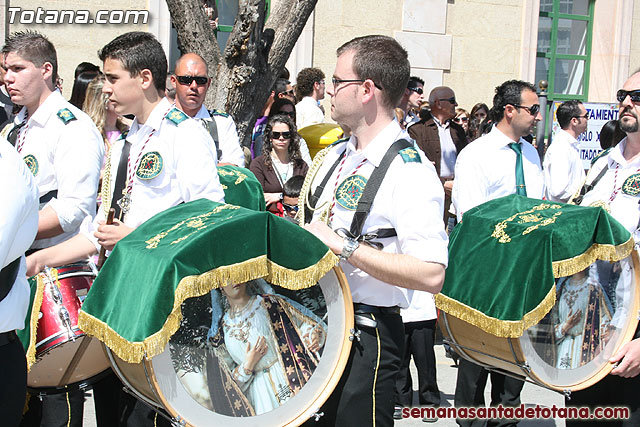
(362, 212)
(8, 277)
(588, 187)
(211, 126)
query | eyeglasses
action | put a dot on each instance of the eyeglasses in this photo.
(290, 208)
(461, 119)
(586, 116)
(533, 110)
(335, 82)
(287, 93)
(277, 135)
(417, 90)
(634, 94)
(451, 100)
(186, 80)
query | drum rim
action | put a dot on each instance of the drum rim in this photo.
(319, 398)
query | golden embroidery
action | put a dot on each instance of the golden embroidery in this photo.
(241, 176)
(525, 217)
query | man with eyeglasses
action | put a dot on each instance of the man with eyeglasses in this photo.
(191, 82)
(411, 101)
(310, 86)
(613, 180)
(378, 205)
(497, 164)
(563, 170)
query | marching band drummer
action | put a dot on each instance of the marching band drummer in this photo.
(370, 77)
(164, 160)
(614, 179)
(64, 150)
(18, 228)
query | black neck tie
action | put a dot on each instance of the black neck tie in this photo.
(121, 178)
(13, 133)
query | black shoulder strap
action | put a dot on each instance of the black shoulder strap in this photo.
(313, 200)
(213, 131)
(588, 187)
(372, 186)
(8, 276)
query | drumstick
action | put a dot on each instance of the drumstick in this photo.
(103, 251)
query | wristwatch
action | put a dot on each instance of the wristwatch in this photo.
(349, 246)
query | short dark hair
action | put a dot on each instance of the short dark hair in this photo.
(566, 111)
(306, 78)
(34, 47)
(611, 134)
(280, 86)
(509, 92)
(84, 67)
(292, 187)
(383, 60)
(414, 81)
(138, 51)
(277, 106)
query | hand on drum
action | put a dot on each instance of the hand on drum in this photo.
(255, 353)
(629, 358)
(33, 265)
(109, 235)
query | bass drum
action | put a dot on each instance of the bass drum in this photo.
(200, 378)
(595, 313)
(66, 357)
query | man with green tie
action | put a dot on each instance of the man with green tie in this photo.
(497, 164)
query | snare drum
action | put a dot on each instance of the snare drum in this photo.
(568, 350)
(65, 355)
(192, 380)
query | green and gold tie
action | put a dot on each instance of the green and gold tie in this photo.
(521, 188)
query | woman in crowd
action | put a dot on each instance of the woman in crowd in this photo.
(279, 161)
(462, 118)
(80, 85)
(97, 106)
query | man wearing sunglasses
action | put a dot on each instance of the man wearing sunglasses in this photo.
(563, 170)
(411, 101)
(191, 82)
(614, 179)
(497, 164)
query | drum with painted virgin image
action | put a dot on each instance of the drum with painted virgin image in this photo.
(62, 355)
(248, 320)
(559, 298)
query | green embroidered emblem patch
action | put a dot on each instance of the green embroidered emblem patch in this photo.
(410, 155)
(349, 192)
(631, 185)
(215, 112)
(32, 163)
(177, 116)
(66, 115)
(150, 165)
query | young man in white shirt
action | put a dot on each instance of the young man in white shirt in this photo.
(310, 85)
(563, 169)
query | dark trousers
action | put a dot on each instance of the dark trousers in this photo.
(366, 389)
(611, 391)
(418, 342)
(55, 410)
(13, 382)
(470, 385)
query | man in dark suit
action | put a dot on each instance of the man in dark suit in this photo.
(440, 138)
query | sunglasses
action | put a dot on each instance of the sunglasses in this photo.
(277, 135)
(290, 208)
(186, 80)
(634, 94)
(417, 90)
(288, 93)
(461, 119)
(451, 100)
(533, 110)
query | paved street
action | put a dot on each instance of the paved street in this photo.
(531, 396)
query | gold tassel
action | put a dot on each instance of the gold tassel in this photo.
(35, 315)
(195, 286)
(597, 251)
(497, 327)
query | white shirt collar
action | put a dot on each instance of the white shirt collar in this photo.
(155, 118)
(444, 125)
(570, 138)
(616, 155)
(49, 107)
(500, 139)
(377, 148)
(202, 113)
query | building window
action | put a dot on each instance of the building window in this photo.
(226, 11)
(564, 47)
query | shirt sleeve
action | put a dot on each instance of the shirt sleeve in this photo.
(469, 188)
(304, 152)
(195, 164)
(229, 142)
(77, 162)
(557, 171)
(418, 211)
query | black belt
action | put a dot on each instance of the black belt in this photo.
(7, 337)
(360, 308)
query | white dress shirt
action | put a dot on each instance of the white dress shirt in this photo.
(486, 170)
(228, 141)
(68, 157)
(413, 210)
(422, 307)
(188, 173)
(18, 228)
(448, 151)
(563, 170)
(308, 112)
